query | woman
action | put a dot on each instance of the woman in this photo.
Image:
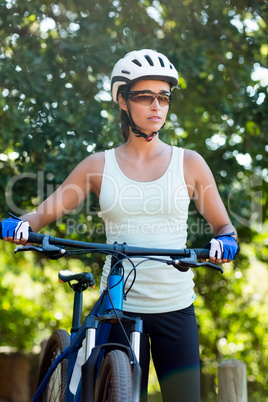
(144, 188)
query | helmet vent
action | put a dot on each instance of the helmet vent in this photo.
(161, 62)
(125, 72)
(135, 61)
(150, 61)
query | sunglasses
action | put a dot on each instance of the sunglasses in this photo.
(146, 98)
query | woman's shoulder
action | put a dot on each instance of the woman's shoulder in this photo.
(193, 157)
(97, 156)
(92, 165)
(94, 161)
(195, 167)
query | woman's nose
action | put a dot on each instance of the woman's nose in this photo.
(155, 105)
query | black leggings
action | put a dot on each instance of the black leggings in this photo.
(175, 351)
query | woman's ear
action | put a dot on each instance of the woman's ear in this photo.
(122, 102)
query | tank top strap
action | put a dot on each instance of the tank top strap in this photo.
(110, 168)
(176, 165)
(110, 161)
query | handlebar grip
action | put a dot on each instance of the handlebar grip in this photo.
(202, 253)
(35, 237)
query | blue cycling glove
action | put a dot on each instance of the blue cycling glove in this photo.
(14, 227)
(224, 247)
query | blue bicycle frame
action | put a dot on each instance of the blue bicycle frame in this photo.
(107, 310)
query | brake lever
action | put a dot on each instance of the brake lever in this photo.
(184, 264)
(47, 249)
(28, 248)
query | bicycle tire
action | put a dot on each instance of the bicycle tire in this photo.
(55, 390)
(114, 382)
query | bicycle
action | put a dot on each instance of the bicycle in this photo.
(83, 366)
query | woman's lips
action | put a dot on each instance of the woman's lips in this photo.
(154, 118)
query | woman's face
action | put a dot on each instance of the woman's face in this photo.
(148, 118)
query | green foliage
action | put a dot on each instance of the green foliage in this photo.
(55, 64)
(33, 304)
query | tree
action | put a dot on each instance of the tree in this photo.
(56, 108)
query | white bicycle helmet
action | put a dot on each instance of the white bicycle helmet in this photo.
(142, 64)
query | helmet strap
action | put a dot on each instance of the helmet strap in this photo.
(136, 131)
(139, 133)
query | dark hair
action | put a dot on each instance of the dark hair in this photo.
(125, 125)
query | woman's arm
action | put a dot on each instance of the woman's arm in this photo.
(205, 194)
(85, 178)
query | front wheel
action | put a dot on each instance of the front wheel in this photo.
(114, 382)
(55, 390)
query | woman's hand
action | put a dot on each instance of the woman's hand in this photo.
(14, 230)
(223, 248)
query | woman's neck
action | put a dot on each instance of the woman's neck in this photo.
(140, 148)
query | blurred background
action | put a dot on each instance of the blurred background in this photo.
(55, 109)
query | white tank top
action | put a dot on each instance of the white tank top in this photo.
(148, 214)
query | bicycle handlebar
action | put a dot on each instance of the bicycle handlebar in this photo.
(183, 259)
(130, 251)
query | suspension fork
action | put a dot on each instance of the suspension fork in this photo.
(135, 337)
